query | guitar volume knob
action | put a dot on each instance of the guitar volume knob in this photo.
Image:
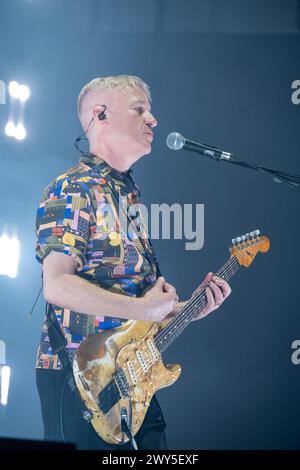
(87, 416)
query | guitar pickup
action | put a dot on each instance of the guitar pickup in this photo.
(132, 372)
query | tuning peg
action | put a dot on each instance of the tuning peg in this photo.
(247, 235)
(238, 239)
(243, 238)
(233, 241)
(252, 234)
(256, 232)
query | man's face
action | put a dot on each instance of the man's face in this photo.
(130, 124)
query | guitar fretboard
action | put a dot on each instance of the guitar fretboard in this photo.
(182, 319)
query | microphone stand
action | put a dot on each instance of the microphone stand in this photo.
(292, 179)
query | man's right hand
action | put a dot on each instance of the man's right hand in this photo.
(64, 288)
(159, 301)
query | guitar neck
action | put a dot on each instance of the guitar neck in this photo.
(182, 319)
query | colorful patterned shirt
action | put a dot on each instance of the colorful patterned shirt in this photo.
(80, 214)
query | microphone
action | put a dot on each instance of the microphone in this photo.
(176, 141)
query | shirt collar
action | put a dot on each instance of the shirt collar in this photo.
(94, 160)
(99, 164)
(91, 159)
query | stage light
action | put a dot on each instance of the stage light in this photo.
(19, 92)
(14, 89)
(5, 379)
(19, 95)
(10, 129)
(20, 132)
(4, 375)
(9, 256)
(24, 93)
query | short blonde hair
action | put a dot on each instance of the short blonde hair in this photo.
(114, 82)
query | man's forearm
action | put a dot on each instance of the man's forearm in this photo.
(74, 293)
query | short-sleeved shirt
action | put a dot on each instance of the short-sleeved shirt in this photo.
(83, 213)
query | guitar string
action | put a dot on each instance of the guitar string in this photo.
(202, 301)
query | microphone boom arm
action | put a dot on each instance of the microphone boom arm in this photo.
(175, 141)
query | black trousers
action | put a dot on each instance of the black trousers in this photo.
(70, 426)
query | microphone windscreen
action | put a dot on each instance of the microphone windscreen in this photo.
(175, 141)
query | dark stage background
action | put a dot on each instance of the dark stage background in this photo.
(220, 72)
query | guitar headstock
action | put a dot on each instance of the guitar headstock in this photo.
(246, 247)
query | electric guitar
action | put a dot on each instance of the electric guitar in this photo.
(118, 371)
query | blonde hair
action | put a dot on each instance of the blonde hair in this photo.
(117, 82)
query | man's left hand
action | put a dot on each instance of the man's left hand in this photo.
(216, 292)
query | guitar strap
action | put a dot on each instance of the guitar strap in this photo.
(58, 344)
